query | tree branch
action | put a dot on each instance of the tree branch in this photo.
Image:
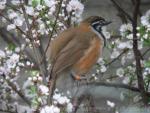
(137, 53)
(115, 85)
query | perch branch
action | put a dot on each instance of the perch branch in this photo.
(115, 85)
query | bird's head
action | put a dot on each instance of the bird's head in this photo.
(96, 22)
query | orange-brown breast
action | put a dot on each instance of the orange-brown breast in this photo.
(89, 58)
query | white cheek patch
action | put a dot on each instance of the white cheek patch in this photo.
(98, 27)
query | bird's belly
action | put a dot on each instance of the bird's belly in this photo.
(89, 58)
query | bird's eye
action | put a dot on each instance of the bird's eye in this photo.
(102, 22)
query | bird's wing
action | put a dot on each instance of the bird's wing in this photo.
(73, 51)
(59, 43)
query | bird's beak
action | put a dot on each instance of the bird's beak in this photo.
(107, 22)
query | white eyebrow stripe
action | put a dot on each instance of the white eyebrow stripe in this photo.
(97, 22)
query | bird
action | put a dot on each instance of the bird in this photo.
(77, 49)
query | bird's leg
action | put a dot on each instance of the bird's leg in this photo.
(77, 77)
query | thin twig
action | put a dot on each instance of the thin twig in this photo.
(51, 34)
(10, 21)
(146, 52)
(122, 10)
(112, 61)
(19, 92)
(36, 52)
(11, 38)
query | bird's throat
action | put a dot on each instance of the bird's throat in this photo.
(96, 29)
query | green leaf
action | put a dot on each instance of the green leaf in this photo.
(146, 42)
(142, 30)
(11, 46)
(147, 64)
(35, 103)
(36, 2)
(33, 89)
(33, 72)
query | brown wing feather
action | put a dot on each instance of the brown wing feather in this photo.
(59, 43)
(73, 51)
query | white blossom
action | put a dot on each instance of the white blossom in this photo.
(29, 10)
(4, 70)
(34, 79)
(126, 80)
(39, 7)
(60, 99)
(19, 21)
(50, 109)
(51, 10)
(114, 54)
(40, 78)
(2, 4)
(51, 4)
(12, 61)
(44, 89)
(11, 27)
(101, 61)
(69, 107)
(15, 2)
(122, 45)
(125, 29)
(145, 36)
(11, 14)
(28, 63)
(103, 69)
(129, 36)
(130, 55)
(75, 6)
(17, 49)
(2, 54)
(111, 104)
(145, 19)
(120, 72)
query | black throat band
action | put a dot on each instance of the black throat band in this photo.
(98, 28)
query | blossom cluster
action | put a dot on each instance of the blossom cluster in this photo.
(58, 99)
(9, 62)
(122, 51)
